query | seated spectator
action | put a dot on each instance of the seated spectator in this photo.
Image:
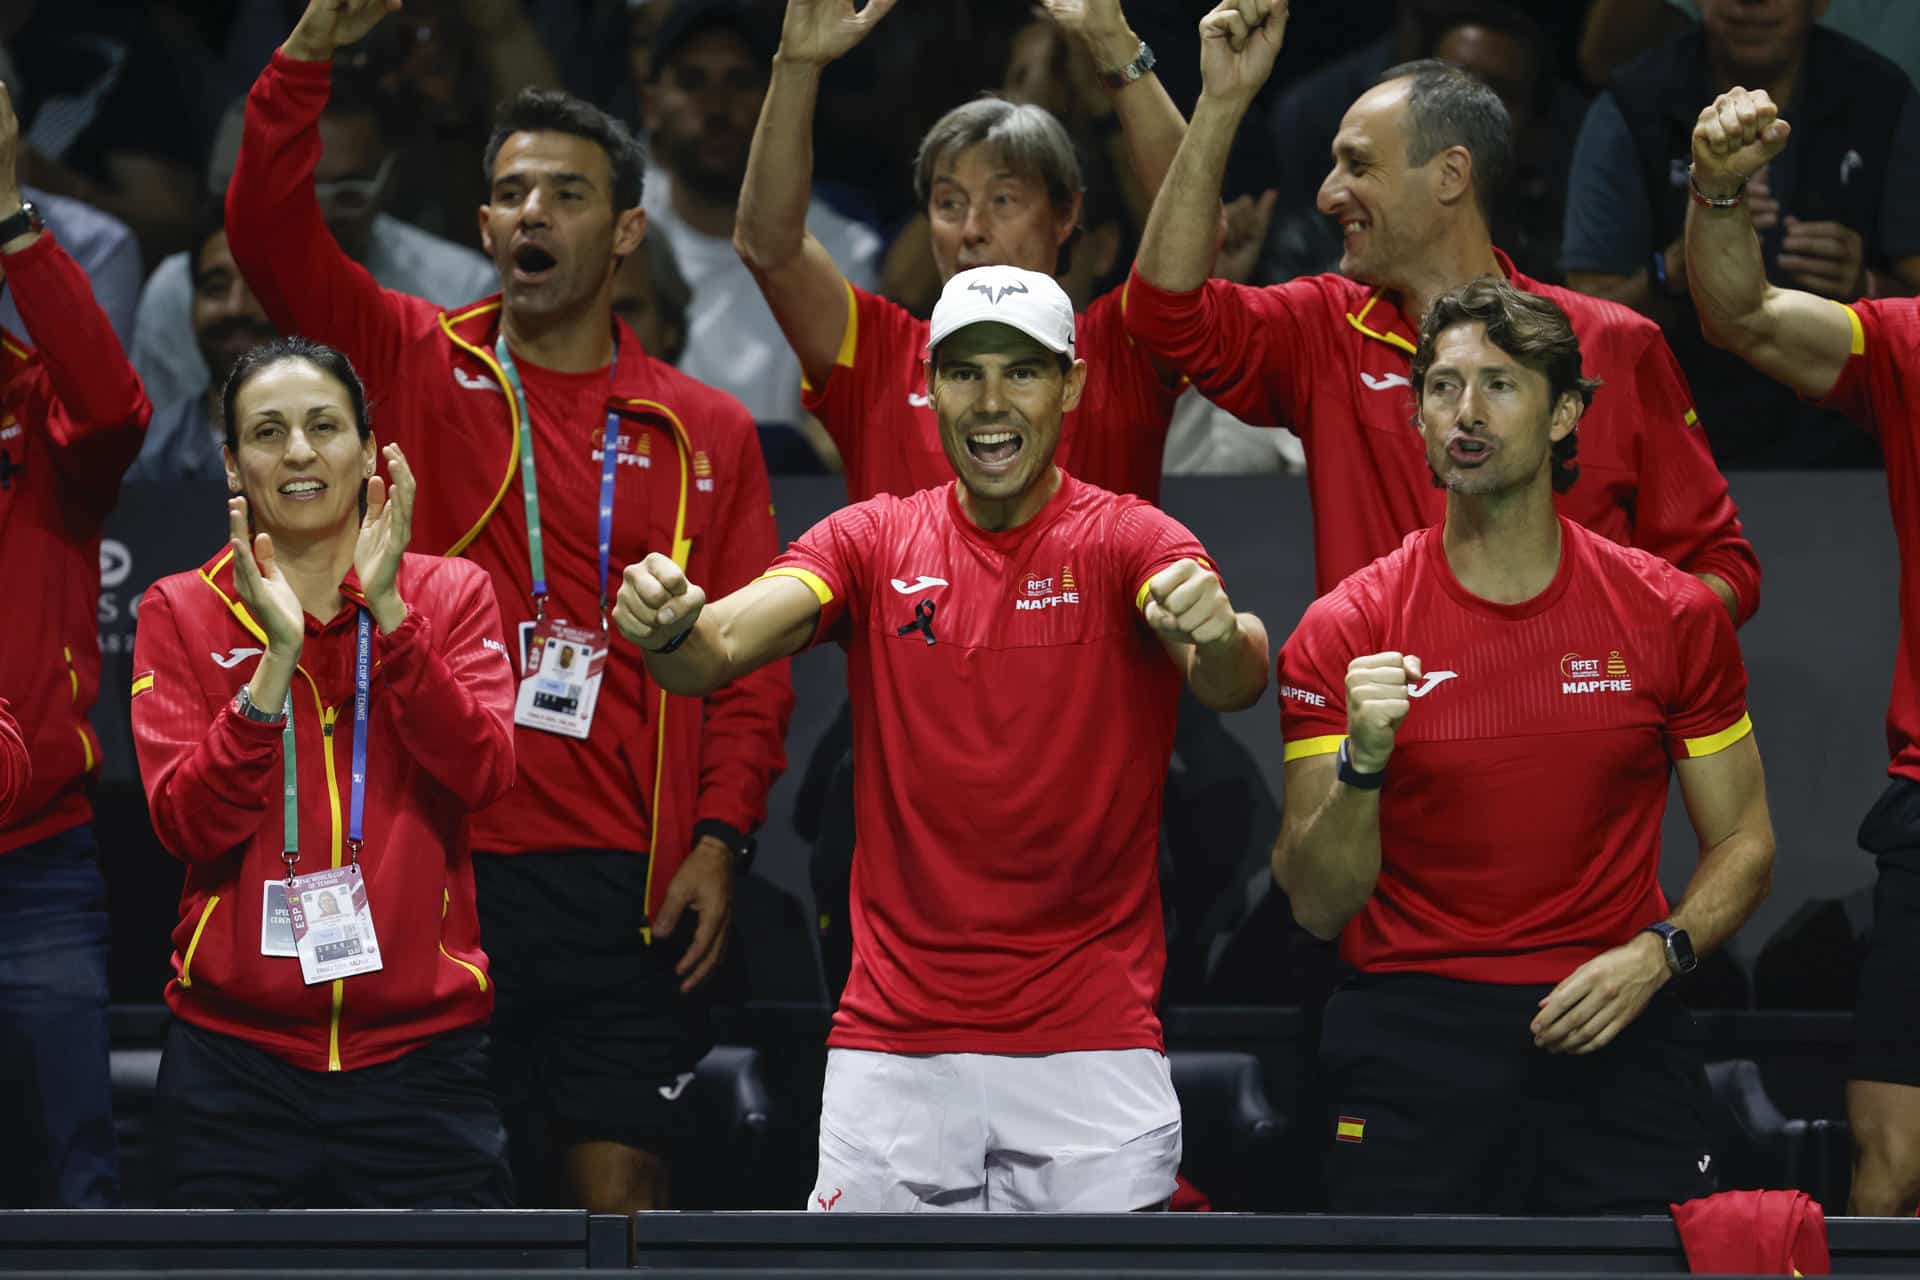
(185, 437)
(709, 74)
(308, 1045)
(102, 245)
(353, 179)
(651, 295)
(1836, 205)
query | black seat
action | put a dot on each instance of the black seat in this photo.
(1755, 1146)
(720, 1166)
(1231, 1131)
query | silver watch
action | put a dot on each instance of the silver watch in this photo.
(1121, 77)
(243, 703)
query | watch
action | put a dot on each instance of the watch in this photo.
(1355, 777)
(24, 219)
(1680, 957)
(243, 704)
(739, 842)
(1121, 77)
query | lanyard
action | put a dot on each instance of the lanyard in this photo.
(357, 799)
(530, 489)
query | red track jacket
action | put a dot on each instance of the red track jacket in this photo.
(692, 483)
(439, 746)
(72, 417)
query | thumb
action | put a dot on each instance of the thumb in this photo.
(376, 502)
(1413, 666)
(671, 908)
(263, 553)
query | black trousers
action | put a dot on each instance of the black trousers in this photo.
(240, 1129)
(1440, 1103)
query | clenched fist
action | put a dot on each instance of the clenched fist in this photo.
(1734, 138)
(1186, 602)
(1377, 701)
(656, 604)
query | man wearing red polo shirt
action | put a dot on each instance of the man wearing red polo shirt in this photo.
(1416, 161)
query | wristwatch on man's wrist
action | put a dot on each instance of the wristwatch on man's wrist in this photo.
(1679, 947)
(1120, 77)
(738, 842)
(1353, 776)
(22, 220)
(243, 704)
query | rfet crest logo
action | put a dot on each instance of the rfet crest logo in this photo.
(1593, 675)
(1047, 589)
(636, 447)
(995, 292)
(702, 471)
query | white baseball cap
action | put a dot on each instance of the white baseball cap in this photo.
(1030, 301)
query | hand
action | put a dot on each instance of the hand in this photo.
(384, 533)
(1099, 26)
(815, 32)
(656, 603)
(1734, 138)
(1826, 257)
(9, 155)
(1761, 206)
(704, 885)
(328, 25)
(1238, 42)
(1185, 602)
(263, 588)
(1600, 999)
(1243, 234)
(1377, 702)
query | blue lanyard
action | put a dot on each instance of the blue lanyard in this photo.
(530, 489)
(357, 796)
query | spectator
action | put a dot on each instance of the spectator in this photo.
(1416, 162)
(1615, 32)
(312, 1042)
(651, 295)
(353, 180)
(71, 416)
(709, 74)
(185, 438)
(1840, 202)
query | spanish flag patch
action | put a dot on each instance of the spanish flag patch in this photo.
(1350, 1129)
(142, 682)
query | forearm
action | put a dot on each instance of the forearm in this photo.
(1177, 248)
(272, 680)
(514, 57)
(216, 797)
(1727, 277)
(743, 748)
(1731, 881)
(1153, 126)
(86, 367)
(1719, 587)
(770, 225)
(1231, 675)
(1330, 863)
(698, 665)
(471, 705)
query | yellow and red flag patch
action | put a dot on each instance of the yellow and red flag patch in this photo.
(142, 681)
(1350, 1129)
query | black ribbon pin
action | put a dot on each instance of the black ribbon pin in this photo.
(922, 621)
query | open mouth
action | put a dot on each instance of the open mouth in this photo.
(1467, 451)
(532, 264)
(304, 489)
(995, 448)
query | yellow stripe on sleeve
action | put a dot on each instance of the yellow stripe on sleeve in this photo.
(1304, 748)
(1858, 345)
(141, 685)
(1720, 741)
(1140, 596)
(850, 337)
(821, 591)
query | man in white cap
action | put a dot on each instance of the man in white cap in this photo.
(1008, 643)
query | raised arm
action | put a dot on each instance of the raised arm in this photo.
(1222, 654)
(1328, 855)
(692, 648)
(1239, 41)
(803, 286)
(1151, 125)
(1794, 337)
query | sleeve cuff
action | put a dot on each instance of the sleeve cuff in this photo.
(401, 654)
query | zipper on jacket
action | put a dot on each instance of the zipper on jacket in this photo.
(327, 718)
(193, 943)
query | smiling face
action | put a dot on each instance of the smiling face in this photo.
(1384, 207)
(550, 225)
(983, 214)
(298, 457)
(1489, 421)
(1000, 397)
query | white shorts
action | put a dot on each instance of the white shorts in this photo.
(1092, 1132)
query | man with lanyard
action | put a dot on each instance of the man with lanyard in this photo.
(1415, 167)
(632, 811)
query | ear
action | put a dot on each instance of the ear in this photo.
(1076, 383)
(369, 455)
(232, 464)
(1566, 416)
(1102, 247)
(1453, 176)
(1065, 220)
(486, 229)
(629, 229)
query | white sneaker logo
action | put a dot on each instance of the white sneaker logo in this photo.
(918, 401)
(1386, 382)
(1432, 681)
(473, 382)
(672, 1092)
(919, 584)
(234, 657)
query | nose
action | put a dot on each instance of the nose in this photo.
(992, 398)
(1467, 411)
(975, 229)
(1332, 192)
(533, 209)
(299, 448)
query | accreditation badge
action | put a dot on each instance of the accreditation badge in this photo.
(332, 924)
(564, 665)
(276, 921)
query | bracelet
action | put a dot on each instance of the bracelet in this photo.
(1706, 201)
(1118, 78)
(1355, 777)
(674, 643)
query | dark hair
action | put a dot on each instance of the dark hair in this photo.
(1531, 329)
(1448, 107)
(1441, 18)
(320, 356)
(554, 111)
(1026, 138)
(209, 219)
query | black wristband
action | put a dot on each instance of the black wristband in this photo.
(1353, 777)
(674, 643)
(739, 842)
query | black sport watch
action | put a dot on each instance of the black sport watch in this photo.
(1680, 957)
(24, 219)
(739, 842)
